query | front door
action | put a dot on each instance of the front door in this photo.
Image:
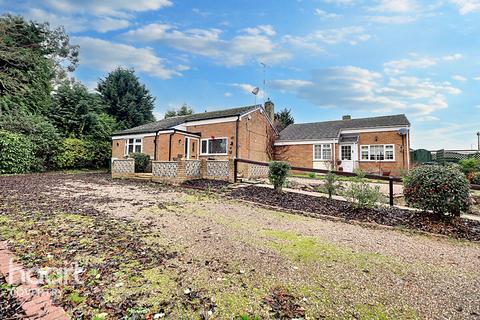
(348, 156)
(191, 148)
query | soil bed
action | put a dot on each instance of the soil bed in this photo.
(395, 217)
(205, 184)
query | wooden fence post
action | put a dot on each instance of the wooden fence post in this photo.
(390, 186)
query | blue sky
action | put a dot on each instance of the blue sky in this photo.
(324, 58)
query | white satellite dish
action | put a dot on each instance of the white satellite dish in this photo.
(255, 90)
(402, 131)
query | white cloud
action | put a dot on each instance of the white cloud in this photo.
(317, 40)
(248, 88)
(400, 66)
(477, 78)
(427, 118)
(110, 24)
(356, 88)
(467, 6)
(227, 94)
(55, 20)
(326, 15)
(118, 8)
(395, 6)
(340, 2)
(105, 56)
(266, 29)
(252, 43)
(453, 57)
(399, 19)
(459, 78)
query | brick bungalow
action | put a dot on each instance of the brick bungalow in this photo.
(375, 145)
(245, 132)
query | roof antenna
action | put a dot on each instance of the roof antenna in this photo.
(264, 82)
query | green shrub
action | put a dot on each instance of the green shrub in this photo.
(361, 193)
(16, 153)
(443, 190)
(43, 135)
(331, 184)
(277, 174)
(142, 161)
(475, 179)
(73, 154)
(312, 175)
(469, 165)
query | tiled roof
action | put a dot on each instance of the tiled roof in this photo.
(331, 129)
(175, 121)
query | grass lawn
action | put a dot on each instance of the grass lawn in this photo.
(155, 251)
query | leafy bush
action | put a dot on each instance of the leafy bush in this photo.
(475, 179)
(331, 184)
(16, 154)
(277, 174)
(312, 175)
(361, 193)
(443, 190)
(142, 161)
(43, 135)
(73, 154)
(469, 165)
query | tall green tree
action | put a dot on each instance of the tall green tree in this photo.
(32, 57)
(184, 110)
(283, 119)
(126, 99)
(75, 109)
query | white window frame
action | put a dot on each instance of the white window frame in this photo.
(208, 151)
(322, 147)
(368, 147)
(135, 143)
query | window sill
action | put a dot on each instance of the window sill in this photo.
(377, 161)
(213, 154)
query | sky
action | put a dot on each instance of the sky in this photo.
(324, 58)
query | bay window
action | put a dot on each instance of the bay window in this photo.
(214, 146)
(322, 152)
(377, 152)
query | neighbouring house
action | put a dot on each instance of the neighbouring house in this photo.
(376, 145)
(245, 132)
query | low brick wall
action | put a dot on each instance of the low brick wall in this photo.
(257, 171)
(121, 167)
(176, 172)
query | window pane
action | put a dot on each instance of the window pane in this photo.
(326, 152)
(130, 148)
(317, 151)
(346, 152)
(138, 148)
(204, 146)
(138, 140)
(216, 146)
(364, 152)
(130, 140)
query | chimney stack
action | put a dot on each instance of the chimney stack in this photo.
(347, 117)
(270, 110)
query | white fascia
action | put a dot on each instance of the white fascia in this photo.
(377, 129)
(134, 136)
(302, 142)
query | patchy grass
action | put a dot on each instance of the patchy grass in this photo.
(195, 255)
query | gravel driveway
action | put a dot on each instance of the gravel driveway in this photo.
(236, 254)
